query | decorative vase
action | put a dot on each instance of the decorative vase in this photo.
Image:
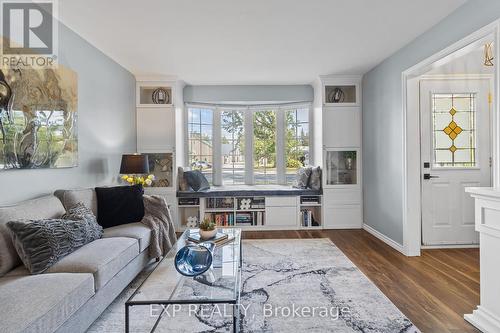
(207, 234)
(194, 260)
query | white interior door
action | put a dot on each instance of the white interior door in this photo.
(455, 152)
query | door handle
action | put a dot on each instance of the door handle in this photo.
(428, 176)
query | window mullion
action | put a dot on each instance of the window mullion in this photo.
(280, 146)
(217, 148)
(248, 132)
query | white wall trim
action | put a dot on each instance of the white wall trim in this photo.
(396, 246)
(412, 208)
(483, 320)
(457, 77)
(449, 246)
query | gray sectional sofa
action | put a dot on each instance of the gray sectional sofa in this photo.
(78, 288)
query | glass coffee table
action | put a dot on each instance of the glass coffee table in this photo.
(221, 284)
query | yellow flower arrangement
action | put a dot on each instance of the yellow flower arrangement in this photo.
(142, 180)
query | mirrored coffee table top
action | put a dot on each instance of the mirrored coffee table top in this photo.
(219, 284)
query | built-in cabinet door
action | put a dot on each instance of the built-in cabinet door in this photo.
(342, 168)
(281, 216)
(343, 217)
(155, 129)
(342, 208)
(342, 127)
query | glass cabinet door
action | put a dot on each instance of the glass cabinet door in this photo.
(341, 167)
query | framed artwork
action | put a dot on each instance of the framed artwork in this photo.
(38, 121)
(161, 166)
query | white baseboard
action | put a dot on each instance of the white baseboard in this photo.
(396, 246)
(449, 246)
(484, 320)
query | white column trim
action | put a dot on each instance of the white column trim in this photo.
(280, 146)
(248, 125)
(487, 211)
(217, 147)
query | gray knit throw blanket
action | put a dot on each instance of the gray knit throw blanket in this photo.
(158, 218)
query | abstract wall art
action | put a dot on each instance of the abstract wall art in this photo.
(38, 123)
(161, 166)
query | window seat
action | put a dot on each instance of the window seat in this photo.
(249, 190)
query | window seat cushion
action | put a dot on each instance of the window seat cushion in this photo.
(249, 190)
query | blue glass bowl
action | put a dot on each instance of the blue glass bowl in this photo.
(193, 260)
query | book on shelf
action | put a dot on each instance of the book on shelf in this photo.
(307, 218)
(189, 201)
(250, 218)
(310, 199)
(220, 203)
(222, 219)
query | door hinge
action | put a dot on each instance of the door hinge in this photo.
(491, 162)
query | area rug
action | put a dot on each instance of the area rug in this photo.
(293, 285)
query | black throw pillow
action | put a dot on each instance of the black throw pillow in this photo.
(119, 205)
(196, 180)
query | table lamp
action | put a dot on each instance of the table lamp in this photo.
(136, 164)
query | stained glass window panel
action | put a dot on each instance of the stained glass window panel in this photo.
(454, 130)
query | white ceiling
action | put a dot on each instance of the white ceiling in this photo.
(251, 41)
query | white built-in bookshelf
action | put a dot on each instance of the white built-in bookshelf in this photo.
(253, 212)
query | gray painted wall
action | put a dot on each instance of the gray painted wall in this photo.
(382, 114)
(106, 125)
(248, 93)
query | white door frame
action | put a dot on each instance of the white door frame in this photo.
(412, 209)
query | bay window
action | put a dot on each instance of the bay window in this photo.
(296, 141)
(233, 147)
(248, 144)
(264, 147)
(200, 141)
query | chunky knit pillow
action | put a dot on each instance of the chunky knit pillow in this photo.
(42, 243)
(82, 213)
(302, 177)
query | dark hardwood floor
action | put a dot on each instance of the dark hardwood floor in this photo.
(433, 291)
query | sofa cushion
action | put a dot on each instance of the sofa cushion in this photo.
(132, 230)
(46, 207)
(70, 198)
(20, 270)
(41, 243)
(41, 303)
(104, 258)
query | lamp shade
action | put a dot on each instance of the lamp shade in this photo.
(134, 164)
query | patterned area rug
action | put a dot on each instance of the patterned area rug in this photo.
(288, 286)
